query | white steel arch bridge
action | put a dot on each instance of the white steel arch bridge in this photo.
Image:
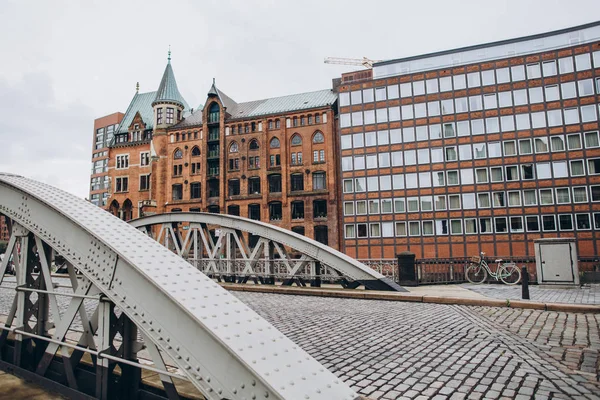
(131, 294)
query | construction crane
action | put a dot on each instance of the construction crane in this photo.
(365, 62)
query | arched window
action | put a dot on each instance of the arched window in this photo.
(213, 113)
(254, 144)
(296, 140)
(178, 155)
(318, 137)
(195, 151)
(275, 143)
(233, 148)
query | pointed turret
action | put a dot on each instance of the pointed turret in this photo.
(167, 90)
(169, 105)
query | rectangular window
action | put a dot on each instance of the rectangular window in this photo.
(361, 207)
(122, 161)
(479, 150)
(481, 175)
(568, 90)
(532, 223)
(400, 228)
(499, 199)
(440, 202)
(583, 62)
(565, 65)
(375, 230)
(557, 143)
(485, 225)
(122, 184)
(350, 231)
(470, 226)
(591, 140)
(548, 223)
(361, 230)
(514, 199)
(414, 228)
(536, 95)
(580, 194)
(582, 222)
(562, 196)
(565, 222)
(496, 174)
(456, 227)
(144, 182)
(577, 168)
(559, 169)
(595, 190)
(452, 177)
(170, 115)
(546, 197)
(574, 141)
(399, 206)
(529, 198)
(516, 224)
(510, 148)
(512, 173)
(454, 202)
(525, 146)
(549, 68)
(533, 71)
(483, 200)
(500, 225)
(541, 145)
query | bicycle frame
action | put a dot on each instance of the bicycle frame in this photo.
(486, 266)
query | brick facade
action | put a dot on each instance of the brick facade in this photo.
(214, 160)
(104, 129)
(487, 156)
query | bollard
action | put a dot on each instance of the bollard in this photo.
(524, 284)
(406, 269)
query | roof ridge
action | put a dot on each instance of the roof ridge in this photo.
(287, 95)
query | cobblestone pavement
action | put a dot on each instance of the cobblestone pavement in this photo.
(572, 339)
(395, 350)
(588, 294)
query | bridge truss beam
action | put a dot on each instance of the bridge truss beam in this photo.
(138, 289)
(217, 245)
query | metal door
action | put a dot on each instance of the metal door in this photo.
(557, 262)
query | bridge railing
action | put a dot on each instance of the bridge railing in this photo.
(452, 270)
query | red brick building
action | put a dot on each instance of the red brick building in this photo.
(104, 130)
(272, 160)
(484, 148)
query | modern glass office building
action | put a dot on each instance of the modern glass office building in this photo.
(483, 148)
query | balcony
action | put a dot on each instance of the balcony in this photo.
(213, 154)
(214, 171)
(213, 137)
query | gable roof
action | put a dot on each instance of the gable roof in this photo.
(277, 105)
(142, 103)
(167, 90)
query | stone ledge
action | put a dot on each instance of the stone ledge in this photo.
(391, 296)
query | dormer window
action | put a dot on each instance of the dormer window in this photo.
(170, 115)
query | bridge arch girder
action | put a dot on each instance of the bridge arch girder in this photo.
(346, 266)
(224, 348)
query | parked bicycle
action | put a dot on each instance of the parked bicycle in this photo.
(478, 271)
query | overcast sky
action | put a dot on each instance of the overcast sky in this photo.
(65, 63)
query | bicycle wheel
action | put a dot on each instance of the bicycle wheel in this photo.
(476, 273)
(510, 274)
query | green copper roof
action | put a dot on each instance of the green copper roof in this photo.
(167, 90)
(141, 102)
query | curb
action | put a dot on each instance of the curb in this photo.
(391, 296)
